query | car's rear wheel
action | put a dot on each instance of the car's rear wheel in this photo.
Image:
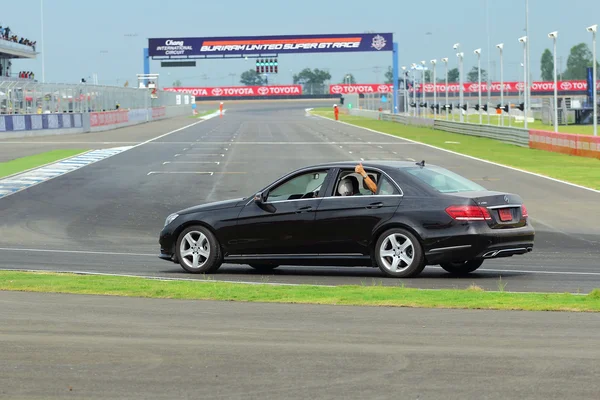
(263, 267)
(462, 267)
(198, 250)
(399, 254)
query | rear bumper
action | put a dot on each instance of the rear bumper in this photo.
(486, 245)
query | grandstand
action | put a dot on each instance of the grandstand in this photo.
(13, 98)
(14, 47)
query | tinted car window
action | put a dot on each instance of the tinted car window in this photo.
(444, 181)
(386, 187)
(298, 186)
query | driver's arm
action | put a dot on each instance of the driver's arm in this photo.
(360, 170)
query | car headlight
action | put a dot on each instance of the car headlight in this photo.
(171, 218)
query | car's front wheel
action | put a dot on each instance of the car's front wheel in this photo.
(399, 254)
(198, 250)
(462, 267)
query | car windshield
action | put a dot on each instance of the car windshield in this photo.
(444, 181)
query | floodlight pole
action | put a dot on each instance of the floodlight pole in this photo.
(43, 42)
(405, 99)
(501, 48)
(395, 76)
(445, 60)
(524, 40)
(593, 29)
(478, 52)
(434, 62)
(554, 35)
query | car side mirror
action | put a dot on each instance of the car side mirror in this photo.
(260, 199)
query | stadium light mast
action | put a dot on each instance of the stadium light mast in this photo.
(554, 36)
(445, 61)
(478, 52)
(43, 42)
(434, 62)
(501, 48)
(404, 74)
(594, 29)
(527, 71)
(526, 80)
(460, 77)
(423, 63)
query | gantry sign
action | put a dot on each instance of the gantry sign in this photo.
(270, 46)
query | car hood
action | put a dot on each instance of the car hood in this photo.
(217, 205)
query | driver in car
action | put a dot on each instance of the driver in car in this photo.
(349, 185)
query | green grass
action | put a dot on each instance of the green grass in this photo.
(580, 170)
(22, 164)
(470, 298)
(203, 113)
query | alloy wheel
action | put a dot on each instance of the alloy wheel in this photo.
(194, 249)
(397, 252)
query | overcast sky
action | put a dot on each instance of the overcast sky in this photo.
(84, 37)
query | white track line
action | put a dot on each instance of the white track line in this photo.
(210, 280)
(466, 156)
(105, 253)
(163, 278)
(156, 256)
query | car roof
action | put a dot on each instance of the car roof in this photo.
(387, 164)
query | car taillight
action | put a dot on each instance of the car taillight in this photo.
(524, 211)
(469, 213)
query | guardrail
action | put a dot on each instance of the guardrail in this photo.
(510, 135)
(516, 136)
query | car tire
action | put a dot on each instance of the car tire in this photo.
(198, 243)
(399, 247)
(263, 267)
(462, 267)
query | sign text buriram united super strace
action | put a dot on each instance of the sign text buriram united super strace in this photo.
(190, 47)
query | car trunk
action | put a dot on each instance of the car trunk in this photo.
(505, 209)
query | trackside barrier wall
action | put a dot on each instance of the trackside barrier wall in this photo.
(510, 135)
(13, 126)
(566, 143)
(515, 136)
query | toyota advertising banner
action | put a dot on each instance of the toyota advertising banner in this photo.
(241, 91)
(469, 88)
(358, 88)
(288, 44)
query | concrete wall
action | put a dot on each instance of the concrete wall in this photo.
(16, 126)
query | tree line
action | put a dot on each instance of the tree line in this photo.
(580, 58)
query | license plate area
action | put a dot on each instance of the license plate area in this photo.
(505, 214)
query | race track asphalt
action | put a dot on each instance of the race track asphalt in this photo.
(106, 217)
(101, 347)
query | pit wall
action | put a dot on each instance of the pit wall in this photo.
(16, 126)
(566, 143)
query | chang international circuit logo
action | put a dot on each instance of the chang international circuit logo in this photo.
(378, 42)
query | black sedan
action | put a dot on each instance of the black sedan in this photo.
(398, 216)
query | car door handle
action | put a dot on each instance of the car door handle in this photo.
(375, 205)
(303, 209)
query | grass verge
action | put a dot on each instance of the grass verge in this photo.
(203, 113)
(471, 298)
(22, 164)
(579, 170)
